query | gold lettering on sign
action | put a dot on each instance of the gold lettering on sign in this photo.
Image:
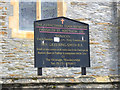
(48, 49)
(65, 45)
(66, 26)
(63, 53)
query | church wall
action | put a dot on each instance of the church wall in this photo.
(18, 54)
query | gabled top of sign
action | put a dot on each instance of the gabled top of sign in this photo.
(62, 20)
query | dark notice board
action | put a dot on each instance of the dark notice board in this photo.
(61, 42)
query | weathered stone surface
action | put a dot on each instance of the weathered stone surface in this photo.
(62, 82)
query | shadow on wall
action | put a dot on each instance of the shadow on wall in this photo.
(119, 38)
(115, 36)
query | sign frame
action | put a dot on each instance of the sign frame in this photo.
(83, 68)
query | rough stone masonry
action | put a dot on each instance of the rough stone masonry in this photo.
(18, 54)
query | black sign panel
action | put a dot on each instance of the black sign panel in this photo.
(61, 42)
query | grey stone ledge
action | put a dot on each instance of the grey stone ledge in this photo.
(62, 79)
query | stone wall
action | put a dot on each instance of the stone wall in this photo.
(62, 83)
(118, 37)
(102, 19)
(18, 54)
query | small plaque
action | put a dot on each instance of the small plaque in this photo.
(56, 39)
